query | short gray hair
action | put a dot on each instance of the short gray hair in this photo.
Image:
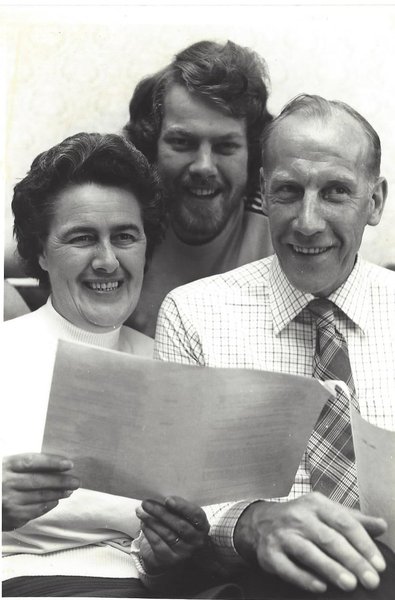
(312, 106)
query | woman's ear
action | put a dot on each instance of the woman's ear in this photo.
(263, 188)
(377, 201)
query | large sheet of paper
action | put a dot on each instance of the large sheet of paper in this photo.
(375, 458)
(143, 428)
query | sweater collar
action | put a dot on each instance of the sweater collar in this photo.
(64, 329)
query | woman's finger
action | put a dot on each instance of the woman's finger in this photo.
(39, 496)
(183, 528)
(31, 462)
(20, 515)
(169, 536)
(166, 552)
(191, 512)
(41, 481)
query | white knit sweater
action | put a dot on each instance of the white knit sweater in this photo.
(89, 533)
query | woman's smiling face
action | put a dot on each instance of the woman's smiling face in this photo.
(94, 255)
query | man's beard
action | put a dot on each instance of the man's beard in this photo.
(199, 224)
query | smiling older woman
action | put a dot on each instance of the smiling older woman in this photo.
(87, 216)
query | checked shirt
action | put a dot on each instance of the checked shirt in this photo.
(252, 317)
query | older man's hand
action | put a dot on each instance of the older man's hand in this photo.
(33, 484)
(311, 541)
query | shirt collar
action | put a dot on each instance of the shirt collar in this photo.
(286, 301)
(352, 297)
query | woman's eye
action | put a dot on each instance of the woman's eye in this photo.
(82, 239)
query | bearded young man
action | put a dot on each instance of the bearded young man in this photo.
(200, 120)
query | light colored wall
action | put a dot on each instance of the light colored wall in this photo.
(75, 69)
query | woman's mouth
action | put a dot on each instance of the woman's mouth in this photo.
(103, 286)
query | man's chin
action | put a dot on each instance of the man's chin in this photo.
(201, 222)
(308, 284)
(198, 227)
(195, 233)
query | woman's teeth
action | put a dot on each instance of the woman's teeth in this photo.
(102, 286)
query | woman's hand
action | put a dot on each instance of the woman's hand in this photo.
(33, 484)
(173, 531)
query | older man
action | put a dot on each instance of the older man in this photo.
(200, 120)
(315, 308)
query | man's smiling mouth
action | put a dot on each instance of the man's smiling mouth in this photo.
(305, 250)
(203, 192)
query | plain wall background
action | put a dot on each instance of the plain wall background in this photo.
(74, 69)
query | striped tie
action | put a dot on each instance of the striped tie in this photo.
(330, 448)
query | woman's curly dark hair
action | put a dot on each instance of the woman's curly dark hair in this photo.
(108, 160)
(232, 77)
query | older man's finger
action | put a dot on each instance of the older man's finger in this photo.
(351, 525)
(280, 564)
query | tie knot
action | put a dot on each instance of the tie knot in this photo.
(322, 311)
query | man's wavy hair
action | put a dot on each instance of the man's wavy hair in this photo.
(233, 78)
(107, 160)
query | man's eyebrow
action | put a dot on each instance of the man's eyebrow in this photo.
(124, 226)
(178, 130)
(284, 176)
(342, 180)
(230, 136)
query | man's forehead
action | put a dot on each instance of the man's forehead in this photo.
(335, 125)
(185, 110)
(338, 136)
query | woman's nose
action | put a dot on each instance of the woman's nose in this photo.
(105, 258)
